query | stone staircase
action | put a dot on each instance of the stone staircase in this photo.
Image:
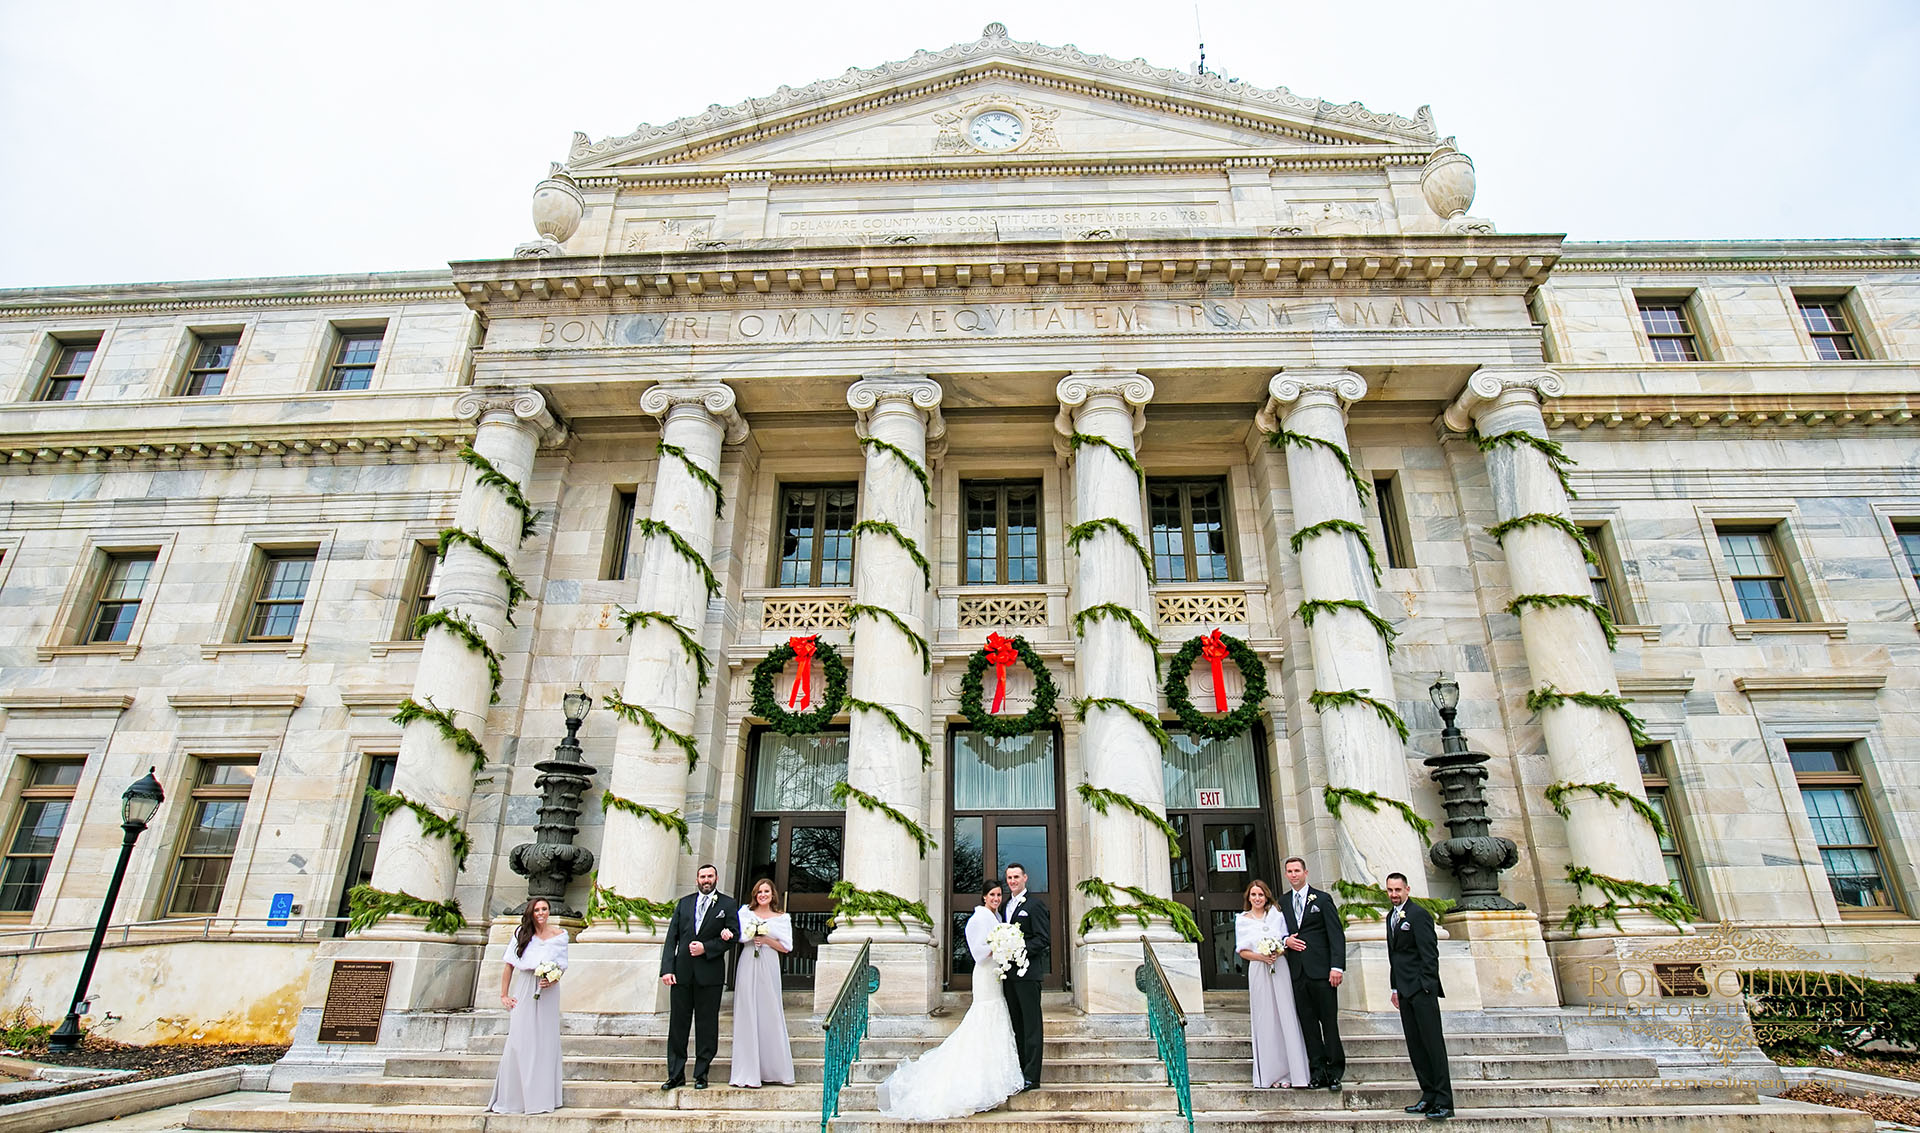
(1510, 1072)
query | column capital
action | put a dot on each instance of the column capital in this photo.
(716, 398)
(921, 392)
(1289, 386)
(1491, 384)
(1075, 390)
(522, 403)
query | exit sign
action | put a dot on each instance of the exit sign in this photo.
(1229, 861)
(1210, 796)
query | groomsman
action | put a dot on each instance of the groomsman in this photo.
(1316, 958)
(694, 964)
(1413, 955)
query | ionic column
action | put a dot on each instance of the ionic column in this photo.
(1101, 414)
(641, 855)
(1566, 645)
(889, 692)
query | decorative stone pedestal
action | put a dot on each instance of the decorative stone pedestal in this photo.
(616, 977)
(1510, 957)
(1368, 982)
(909, 972)
(1112, 955)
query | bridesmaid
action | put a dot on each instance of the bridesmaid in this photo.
(529, 1078)
(761, 1052)
(1279, 1051)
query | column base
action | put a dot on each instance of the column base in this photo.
(1108, 958)
(434, 974)
(909, 973)
(1509, 957)
(1613, 969)
(1367, 984)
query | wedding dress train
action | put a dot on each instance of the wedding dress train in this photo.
(977, 1066)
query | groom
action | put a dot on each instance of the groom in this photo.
(1023, 992)
(1316, 954)
(693, 962)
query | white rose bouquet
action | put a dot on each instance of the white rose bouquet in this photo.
(546, 970)
(1268, 946)
(753, 931)
(1008, 947)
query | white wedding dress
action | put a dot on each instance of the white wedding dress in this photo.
(977, 1067)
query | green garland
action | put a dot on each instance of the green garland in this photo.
(604, 904)
(1663, 901)
(1313, 607)
(913, 466)
(899, 727)
(1541, 699)
(1118, 613)
(493, 478)
(858, 609)
(1301, 536)
(1557, 793)
(1370, 902)
(799, 723)
(1559, 523)
(463, 741)
(1283, 438)
(431, 824)
(701, 663)
(843, 790)
(369, 906)
(1233, 723)
(462, 627)
(1099, 798)
(1079, 439)
(1146, 720)
(1569, 601)
(1557, 457)
(670, 819)
(684, 549)
(640, 714)
(973, 686)
(1346, 698)
(1081, 532)
(698, 473)
(516, 589)
(1370, 801)
(892, 530)
(1145, 905)
(849, 901)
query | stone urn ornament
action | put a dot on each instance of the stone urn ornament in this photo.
(1448, 184)
(557, 209)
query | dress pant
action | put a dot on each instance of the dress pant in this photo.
(1318, 1005)
(1023, 1004)
(1427, 1046)
(696, 1006)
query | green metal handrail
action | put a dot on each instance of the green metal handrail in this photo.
(846, 1025)
(1168, 1025)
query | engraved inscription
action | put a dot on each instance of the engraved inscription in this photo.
(1006, 220)
(356, 1000)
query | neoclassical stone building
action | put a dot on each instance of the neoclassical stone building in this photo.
(1001, 339)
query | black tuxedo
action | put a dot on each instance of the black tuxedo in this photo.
(1316, 1000)
(1023, 992)
(698, 980)
(1413, 959)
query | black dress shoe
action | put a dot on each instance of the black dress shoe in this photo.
(1420, 1106)
(1439, 1113)
(1316, 1083)
(673, 1083)
(1029, 1086)
(699, 1083)
(1333, 1084)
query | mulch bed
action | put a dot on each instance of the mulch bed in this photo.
(1886, 1064)
(1883, 1107)
(145, 1061)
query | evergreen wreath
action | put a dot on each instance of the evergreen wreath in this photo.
(1181, 701)
(1099, 798)
(1145, 719)
(843, 790)
(863, 610)
(1301, 536)
(1144, 906)
(698, 473)
(1346, 698)
(650, 527)
(1557, 457)
(830, 701)
(1372, 801)
(369, 906)
(463, 741)
(899, 727)
(900, 454)
(973, 687)
(1081, 532)
(892, 531)
(1559, 523)
(1541, 699)
(431, 824)
(1079, 440)
(701, 663)
(516, 589)
(656, 729)
(669, 819)
(604, 904)
(1313, 607)
(1557, 793)
(494, 478)
(851, 901)
(1284, 437)
(1569, 602)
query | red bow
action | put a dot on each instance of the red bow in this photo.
(1000, 654)
(803, 651)
(1215, 651)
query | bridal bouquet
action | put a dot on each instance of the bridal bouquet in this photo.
(1268, 946)
(754, 931)
(1008, 947)
(546, 970)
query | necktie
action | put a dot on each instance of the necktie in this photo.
(1299, 906)
(700, 911)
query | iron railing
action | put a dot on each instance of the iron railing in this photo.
(846, 1025)
(172, 929)
(1168, 1024)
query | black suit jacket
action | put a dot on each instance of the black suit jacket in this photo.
(1413, 952)
(1036, 925)
(710, 968)
(1321, 930)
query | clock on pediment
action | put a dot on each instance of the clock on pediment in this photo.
(996, 125)
(996, 130)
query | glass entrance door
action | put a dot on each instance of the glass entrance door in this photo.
(1005, 810)
(794, 836)
(1215, 803)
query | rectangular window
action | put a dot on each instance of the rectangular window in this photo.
(218, 804)
(118, 603)
(1653, 776)
(69, 369)
(354, 355)
(1393, 522)
(1003, 531)
(44, 803)
(1189, 522)
(422, 577)
(620, 535)
(1759, 574)
(207, 369)
(1669, 330)
(1909, 534)
(1597, 575)
(283, 590)
(1831, 788)
(1827, 325)
(816, 534)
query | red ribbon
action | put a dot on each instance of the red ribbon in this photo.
(803, 651)
(1215, 651)
(1000, 654)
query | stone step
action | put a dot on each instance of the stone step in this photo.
(808, 1044)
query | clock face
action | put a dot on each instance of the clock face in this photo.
(996, 130)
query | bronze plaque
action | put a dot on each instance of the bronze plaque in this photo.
(356, 998)
(1685, 981)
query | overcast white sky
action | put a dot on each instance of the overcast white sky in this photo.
(186, 140)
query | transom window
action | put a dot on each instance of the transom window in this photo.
(212, 358)
(1189, 521)
(1669, 330)
(1003, 531)
(1834, 795)
(354, 356)
(816, 534)
(1759, 575)
(1827, 325)
(44, 802)
(68, 372)
(283, 590)
(219, 803)
(121, 588)
(1653, 777)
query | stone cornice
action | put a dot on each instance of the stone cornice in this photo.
(1640, 686)
(229, 703)
(228, 295)
(1700, 257)
(1812, 684)
(382, 445)
(1725, 411)
(67, 703)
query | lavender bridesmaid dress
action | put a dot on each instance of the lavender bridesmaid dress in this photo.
(1279, 1050)
(529, 1078)
(761, 1052)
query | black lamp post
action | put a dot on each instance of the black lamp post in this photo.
(137, 807)
(551, 861)
(1474, 854)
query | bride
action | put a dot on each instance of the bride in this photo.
(977, 1067)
